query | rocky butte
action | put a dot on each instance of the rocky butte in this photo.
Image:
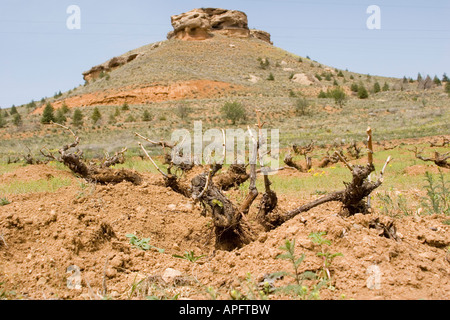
(203, 23)
(197, 24)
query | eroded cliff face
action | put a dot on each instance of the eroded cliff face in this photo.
(202, 24)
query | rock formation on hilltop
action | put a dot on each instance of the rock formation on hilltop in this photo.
(202, 24)
(197, 24)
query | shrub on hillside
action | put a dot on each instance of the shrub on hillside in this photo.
(47, 115)
(77, 120)
(447, 88)
(2, 119)
(338, 95)
(96, 115)
(362, 92)
(376, 87)
(60, 116)
(302, 107)
(233, 111)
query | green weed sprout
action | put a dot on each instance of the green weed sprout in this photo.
(142, 244)
(189, 255)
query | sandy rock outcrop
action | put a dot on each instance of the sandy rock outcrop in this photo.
(305, 79)
(108, 66)
(203, 23)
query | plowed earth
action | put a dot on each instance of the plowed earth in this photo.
(43, 235)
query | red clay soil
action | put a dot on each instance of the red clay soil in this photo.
(83, 225)
(146, 94)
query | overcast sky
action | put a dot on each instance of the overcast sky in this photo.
(39, 55)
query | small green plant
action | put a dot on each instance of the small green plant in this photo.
(264, 63)
(130, 118)
(438, 195)
(142, 244)
(6, 295)
(189, 256)
(297, 288)
(393, 205)
(146, 116)
(4, 201)
(271, 77)
(125, 107)
(322, 95)
(253, 292)
(318, 239)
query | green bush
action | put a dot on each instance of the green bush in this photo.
(362, 92)
(47, 115)
(2, 120)
(17, 120)
(146, 116)
(322, 95)
(96, 115)
(264, 63)
(77, 120)
(302, 107)
(60, 117)
(233, 111)
(376, 87)
(447, 88)
(125, 107)
(338, 95)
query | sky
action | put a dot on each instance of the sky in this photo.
(40, 55)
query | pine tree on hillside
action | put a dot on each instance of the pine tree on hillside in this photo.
(47, 115)
(64, 109)
(13, 110)
(77, 120)
(17, 120)
(2, 119)
(60, 117)
(362, 92)
(437, 81)
(146, 116)
(376, 87)
(96, 115)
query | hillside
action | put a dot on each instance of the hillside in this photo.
(180, 80)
